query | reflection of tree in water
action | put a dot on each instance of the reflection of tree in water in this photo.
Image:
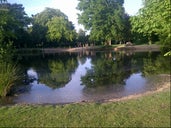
(54, 70)
(160, 65)
(107, 70)
(82, 60)
(60, 72)
(114, 68)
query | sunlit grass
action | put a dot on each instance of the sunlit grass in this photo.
(148, 111)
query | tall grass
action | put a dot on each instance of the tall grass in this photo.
(9, 75)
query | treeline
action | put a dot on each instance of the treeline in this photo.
(106, 20)
(49, 28)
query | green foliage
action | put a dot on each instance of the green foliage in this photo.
(9, 72)
(104, 18)
(6, 51)
(13, 22)
(6, 21)
(82, 37)
(43, 17)
(127, 35)
(60, 29)
(38, 34)
(52, 25)
(154, 19)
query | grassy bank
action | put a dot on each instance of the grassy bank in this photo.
(148, 111)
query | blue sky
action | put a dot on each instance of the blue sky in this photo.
(69, 7)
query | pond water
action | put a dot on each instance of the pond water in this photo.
(87, 76)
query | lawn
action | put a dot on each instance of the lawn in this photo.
(148, 111)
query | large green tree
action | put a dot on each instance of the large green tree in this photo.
(51, 25)
(104, 18)
(153, 20)
(39, 28)
(13, 23)
(60, 30)
(43, 17)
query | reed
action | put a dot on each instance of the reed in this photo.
(9, 75)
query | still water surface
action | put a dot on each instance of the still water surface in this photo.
(91, 76)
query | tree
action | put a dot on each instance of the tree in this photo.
(127, 29)
(43, 17)
(82, 37)
(104, 18)
(60, 30)
(154, 20)
(52, 25)
(13, 22)
(39, 28)
(38, 34)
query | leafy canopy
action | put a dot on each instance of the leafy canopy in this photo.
(104, 18)
(52, 25)
(13, 19)
(60, 28)
(154, 19)
(43, 17)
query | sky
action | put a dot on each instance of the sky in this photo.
(69, 7)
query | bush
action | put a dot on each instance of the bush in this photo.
(7, 51)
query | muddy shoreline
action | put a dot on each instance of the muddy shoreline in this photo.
(165, 87)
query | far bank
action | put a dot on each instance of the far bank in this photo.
(116, 48)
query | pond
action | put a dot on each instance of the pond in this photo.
(59, 78)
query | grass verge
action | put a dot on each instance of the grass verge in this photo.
(147, 111)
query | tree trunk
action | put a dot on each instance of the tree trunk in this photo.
(149, 41)
(109, 42)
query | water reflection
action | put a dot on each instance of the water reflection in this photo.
(135, 84)
(32, 74)
(74, 77)
(106, 70)
(72, 92)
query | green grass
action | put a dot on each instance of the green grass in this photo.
(147, 111)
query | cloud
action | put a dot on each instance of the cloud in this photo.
(132, 6)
